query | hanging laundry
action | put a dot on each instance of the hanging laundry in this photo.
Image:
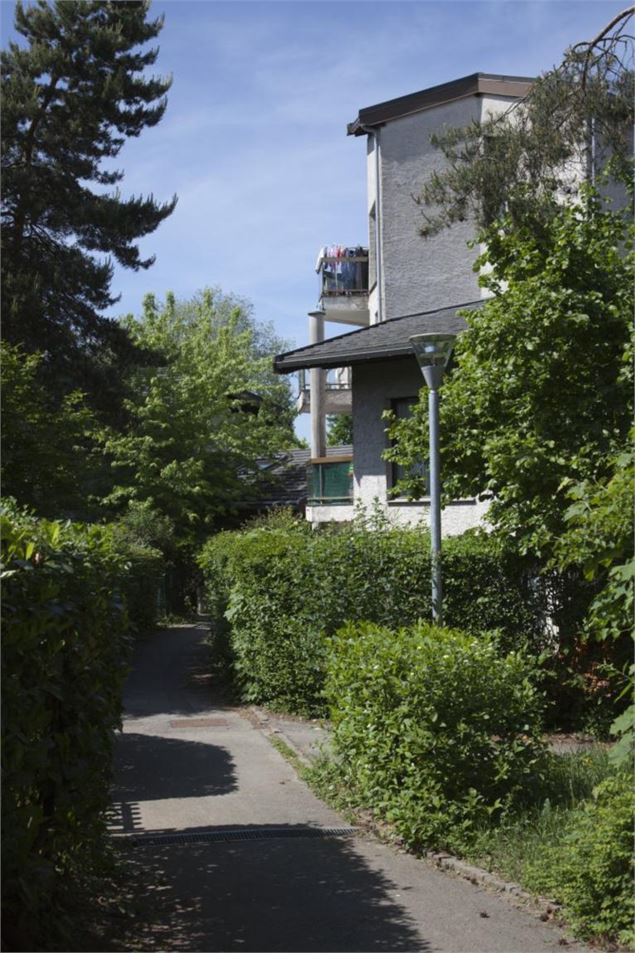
(344, 268)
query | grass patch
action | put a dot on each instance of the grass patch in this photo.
(289, 755)
(574, 847)
(516, 849)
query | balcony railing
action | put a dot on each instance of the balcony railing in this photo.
(343, 271)
(337, 378)
(331, 481)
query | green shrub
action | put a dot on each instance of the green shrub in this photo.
(268, 619)
(143, 570)
(488, 587)
(590, 870)
(286, 588)
(64, 656)
(433, 728)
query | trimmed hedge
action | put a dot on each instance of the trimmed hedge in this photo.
(66, 636)
(285, 588)
(434, 729)
(139, 583)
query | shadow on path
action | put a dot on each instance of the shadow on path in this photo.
(150, 768)
(170, 674)
(265, 894)
(257, 892)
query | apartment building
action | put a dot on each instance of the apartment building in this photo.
(395, 285)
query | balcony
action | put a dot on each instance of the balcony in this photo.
(337, 391)
(331, 481)
(343, 274)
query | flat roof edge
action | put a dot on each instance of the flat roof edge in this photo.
(476, 84)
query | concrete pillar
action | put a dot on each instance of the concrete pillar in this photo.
(318, 389)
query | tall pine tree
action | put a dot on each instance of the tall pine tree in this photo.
(72, 95)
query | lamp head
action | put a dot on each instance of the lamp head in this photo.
(433, 352)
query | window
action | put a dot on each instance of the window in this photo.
(402, 409)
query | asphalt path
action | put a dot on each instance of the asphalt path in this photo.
(228, 850)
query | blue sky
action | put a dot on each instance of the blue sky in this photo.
(254, 139)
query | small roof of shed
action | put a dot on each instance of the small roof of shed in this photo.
(477, 84)
(379, 342)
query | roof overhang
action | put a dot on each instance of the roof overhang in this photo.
(477, 84)
(389, 340)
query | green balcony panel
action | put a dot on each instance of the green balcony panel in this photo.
(331, 483)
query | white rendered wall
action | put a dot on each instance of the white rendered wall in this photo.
(374, 386)
(330, 514)
(372, 205)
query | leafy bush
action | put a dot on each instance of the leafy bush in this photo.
(65, 649)
(433, 728)
(487, 587)
(599, 538)
(591, 870)
(575, 845)
(285, 588)
(143, 570)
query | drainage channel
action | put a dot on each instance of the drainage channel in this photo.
(265, 833)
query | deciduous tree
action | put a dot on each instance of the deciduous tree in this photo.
(340, 430)
(541, 390)
(51, 459)
(202, 423)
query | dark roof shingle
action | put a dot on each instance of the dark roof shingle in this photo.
(379, 342)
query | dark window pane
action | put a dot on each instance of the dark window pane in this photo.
(402, 407)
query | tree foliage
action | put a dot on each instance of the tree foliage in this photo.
(541, 393)
(72, 94)
(599, 538)
(200, 423)
(50, 456)
(340, 430)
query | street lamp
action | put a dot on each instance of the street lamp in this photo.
(433, 353)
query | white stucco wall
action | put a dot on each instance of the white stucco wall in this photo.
(374, 386)
(330, 514)
(371, 206)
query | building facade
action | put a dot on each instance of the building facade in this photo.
(396, 285)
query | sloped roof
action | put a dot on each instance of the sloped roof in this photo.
(289, 485)
(379, 342)
(477, 84)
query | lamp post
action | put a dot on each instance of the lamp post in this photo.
(433, 353)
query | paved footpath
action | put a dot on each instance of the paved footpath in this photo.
(228, 850)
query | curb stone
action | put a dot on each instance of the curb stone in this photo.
(260, 719)
(548, 909)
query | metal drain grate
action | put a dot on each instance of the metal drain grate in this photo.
(265, 833)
